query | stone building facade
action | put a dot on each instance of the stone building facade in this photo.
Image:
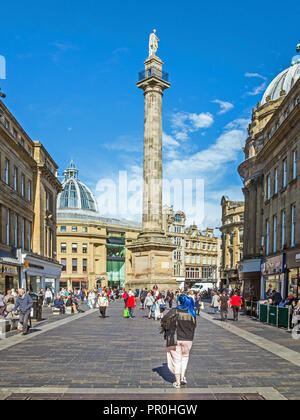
(29, 187)
(232, 230)
(272, 190)
(91, 249)
(197, 256)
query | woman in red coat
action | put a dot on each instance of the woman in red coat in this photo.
(131, 303)
(235, 303)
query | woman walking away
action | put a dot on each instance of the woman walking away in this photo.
(103, 304)
(131, 303)
(178, 326)
(198, 303)
(148, 303)
(235, 303)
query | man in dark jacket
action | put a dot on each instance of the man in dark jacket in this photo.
(24, 302)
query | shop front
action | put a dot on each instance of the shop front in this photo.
(293, 270)
(249, 274)
(39, 273)
(8, 277)
(273, 275)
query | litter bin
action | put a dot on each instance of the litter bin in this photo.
(263, 313)
(34, 309)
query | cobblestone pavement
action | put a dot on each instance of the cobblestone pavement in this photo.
(120, 354)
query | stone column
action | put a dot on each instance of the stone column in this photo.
(152, 251)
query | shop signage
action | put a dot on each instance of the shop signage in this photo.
(7, 269)
(293, 259)
(273, 265)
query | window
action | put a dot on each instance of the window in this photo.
(23, 233)
(177, 229)
(6, 175)
(63, 248)
(74, 265)
(15, 179)
(274, 233)
(14, 133)
(177, 218)
(84, 229)
(241, 236)
(268, 188)
(16, 231)
(23, 185)
(187, 244)
(282, 228)
(214, 260)
(284, 173)
(293, 225)
(84, 248)
(276, 181)
(294, 164)
(63, 262)
(29, 236)
(177, 255)
(74, 228)
(204, 247)
(204, 259)
(7, 227)
(49, 201)
(267, 237)
(209, 260)
(192, 273)
(84, 265)
(74, 248)
(29, 191)
(63, 228)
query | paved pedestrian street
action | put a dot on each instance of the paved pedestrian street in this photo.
(85, 356)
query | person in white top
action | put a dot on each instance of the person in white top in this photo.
(48, 296)
(215, 302)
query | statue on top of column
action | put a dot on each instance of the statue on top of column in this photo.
(153, 43)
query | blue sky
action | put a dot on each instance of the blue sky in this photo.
(72, 68)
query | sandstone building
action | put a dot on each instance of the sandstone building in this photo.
(272, 190)
(197, 254)
(232, 230)
(91, 249)
(28, 191)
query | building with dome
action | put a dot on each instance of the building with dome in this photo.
(91, 249)
(272, 190)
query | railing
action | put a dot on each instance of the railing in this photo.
(153, 72)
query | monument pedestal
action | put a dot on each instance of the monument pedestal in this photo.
(152, 262)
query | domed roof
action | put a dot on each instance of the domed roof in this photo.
(284, 82)
(75, 195)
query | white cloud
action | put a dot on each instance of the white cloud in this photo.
(239, 123)
(183, 123)
(225, 106)
(255, 75)
(258, 89)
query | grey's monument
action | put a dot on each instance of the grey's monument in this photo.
(152, 250)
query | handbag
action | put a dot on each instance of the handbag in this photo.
(202, 305)
(153, 307)
(162, 306)
(126, 313)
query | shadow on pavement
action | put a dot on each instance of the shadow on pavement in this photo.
(164, 372)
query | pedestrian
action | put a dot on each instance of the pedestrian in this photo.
(170, 298)
(2, 304)
(235, 303)
(59, 304)
(149, 301)
(48, 296)
(25, 303)
(276, 297)
(198, 303)
(215, 302)
(41, 298)
(92, 299)
(178, 326)
(131, 303)
(103, 303)
(157, 310)
(224, 303)
(125, 298)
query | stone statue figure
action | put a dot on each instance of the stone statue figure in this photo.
(153, 43)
